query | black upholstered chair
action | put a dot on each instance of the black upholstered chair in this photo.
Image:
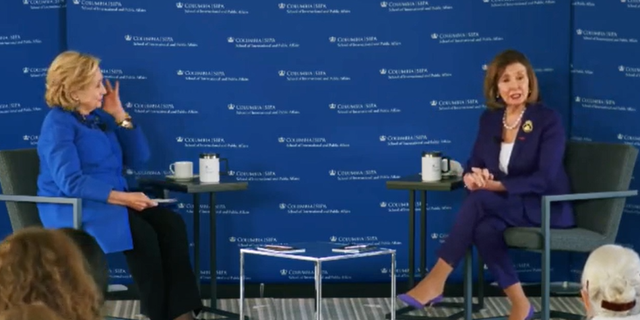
(600, 176)
(18, 179)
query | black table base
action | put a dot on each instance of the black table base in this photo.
(212, 256)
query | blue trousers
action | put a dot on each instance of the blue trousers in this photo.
(481, 221)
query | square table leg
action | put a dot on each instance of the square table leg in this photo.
(423, 234)
(212, 257)
(241, 285)
(318, 276)
(393, 286)
(196, 236)
(412, 237)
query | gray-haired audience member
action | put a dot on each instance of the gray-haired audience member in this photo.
(611, 283)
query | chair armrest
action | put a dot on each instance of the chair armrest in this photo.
(589, 196)
(75, 202)
(547, 200)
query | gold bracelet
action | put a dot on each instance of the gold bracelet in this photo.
(126, 123)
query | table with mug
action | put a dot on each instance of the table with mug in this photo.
(210, 179)
(439, 173)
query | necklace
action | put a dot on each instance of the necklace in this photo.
(515, 124)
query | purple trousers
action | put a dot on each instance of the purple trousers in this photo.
(481, 221)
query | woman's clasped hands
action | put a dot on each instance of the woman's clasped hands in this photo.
(478, 179)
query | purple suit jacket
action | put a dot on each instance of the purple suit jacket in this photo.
(536, 165)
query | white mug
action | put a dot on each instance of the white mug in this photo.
(182, 169)
(434, 165)
(210, 167)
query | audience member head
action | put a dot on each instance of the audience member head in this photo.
(94, 255)
(611, 282)
(510, 81)
(74, 82)
(33, 311)
(43, 265)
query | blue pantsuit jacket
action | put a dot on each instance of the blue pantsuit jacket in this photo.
(84, 159)
(536, 164)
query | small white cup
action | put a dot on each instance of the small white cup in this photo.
(182, 169)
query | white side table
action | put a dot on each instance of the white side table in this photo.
(319, 252)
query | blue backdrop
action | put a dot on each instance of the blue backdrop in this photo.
(316, 104)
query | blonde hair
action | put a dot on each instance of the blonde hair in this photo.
(34, 311)
(495, 70)
(612, 274)
(69, 71)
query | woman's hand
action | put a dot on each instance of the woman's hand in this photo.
(472, 181)
(135, 200)
(112, 104)
(477, 178)
(483, 173)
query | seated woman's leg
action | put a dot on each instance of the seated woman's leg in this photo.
(489, 240)
(146, 267)
(475, 207)
(181, 286)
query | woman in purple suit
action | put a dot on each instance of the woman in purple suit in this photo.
(517, 158)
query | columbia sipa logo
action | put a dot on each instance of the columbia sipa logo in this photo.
(332, 172)
(179, 139)
(283, 206)
(232, 239)
(434, 36)
(281, 139)
(230, 39)
(76, 2)
(383, 138)
(282, 73)
(332, 39)
(129, 105)
(383, 204)
(384, 270)
(621, 68)
(128, 37)
(231, 106)
(180, 72)
(332, 106)
(577, 99)
(579, 31)
(333, 238)
(383, 71)
(281, 5)
(434, 103)
(30, 137)
(484, 67)
(179, 5)
(384, 4)
(284, 272)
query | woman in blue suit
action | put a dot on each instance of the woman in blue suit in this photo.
(517, 157)
(85, 141)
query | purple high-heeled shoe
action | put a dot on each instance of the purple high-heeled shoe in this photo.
(416, 304)
(531, 312)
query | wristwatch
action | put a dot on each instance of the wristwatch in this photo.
(127, 123)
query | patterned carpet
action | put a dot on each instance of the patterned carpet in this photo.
(340, 308)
